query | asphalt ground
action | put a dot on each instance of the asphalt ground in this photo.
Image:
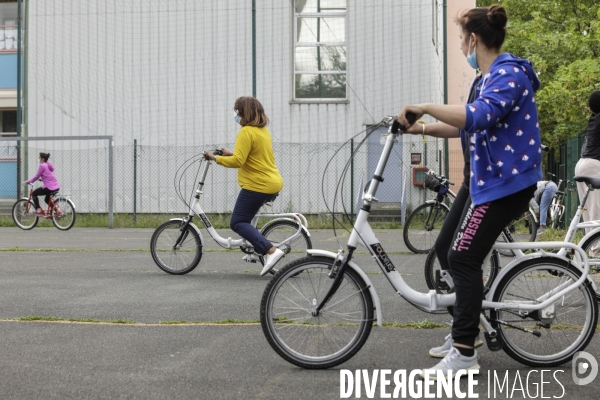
(108, 275)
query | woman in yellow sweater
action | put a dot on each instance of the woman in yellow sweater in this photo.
(258, 175)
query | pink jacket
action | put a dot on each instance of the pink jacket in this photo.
(46, 172)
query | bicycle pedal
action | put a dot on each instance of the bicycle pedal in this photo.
(494, 344)
(250, 258)
(440, 282)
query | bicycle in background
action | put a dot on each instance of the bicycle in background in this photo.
(423, 225)
(556, 211)
(60, 209)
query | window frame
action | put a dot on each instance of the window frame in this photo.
(295, 44)
(2, 133)
(14, 27)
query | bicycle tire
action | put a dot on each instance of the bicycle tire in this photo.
(592, 249)
(281, 230)
(24, 220)
(523, 229)
(543, 274)
(63, 208)
(432, 265)
(426, 220)
(347, 316)
(167, 235)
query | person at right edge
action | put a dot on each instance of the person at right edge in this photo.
(499, 128)
(589, 165)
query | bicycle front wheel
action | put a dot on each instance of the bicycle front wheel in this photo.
(278, 232)
(22, 214)
(435, 281)
(558, 331)
(592, 249)
(63, 214)
(322, 341)
(423, 226)
(176, 250)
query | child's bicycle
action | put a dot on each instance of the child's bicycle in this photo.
(177, 245)
(318, 311)
(60, 210)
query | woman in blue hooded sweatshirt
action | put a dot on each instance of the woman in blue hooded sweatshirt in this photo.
(500, 135)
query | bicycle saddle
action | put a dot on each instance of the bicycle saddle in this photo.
(593, 181)
(52, 193)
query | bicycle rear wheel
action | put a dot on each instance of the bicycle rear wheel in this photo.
(563, 330)
(63, 214)
(423, 226)
(522, 229)
(173, 258)
(22, 214)
(278, 231)
(324, 341)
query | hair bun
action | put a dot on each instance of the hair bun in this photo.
(497, 16)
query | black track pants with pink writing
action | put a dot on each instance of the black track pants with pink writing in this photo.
(472, 241)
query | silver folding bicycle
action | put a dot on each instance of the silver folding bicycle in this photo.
(177, 245)
(318, 311)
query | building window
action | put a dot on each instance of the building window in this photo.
(8, 122)
(320, 49)
(8, 27)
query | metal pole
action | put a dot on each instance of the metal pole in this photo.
(445, 34)
(110, 183)
(25, 115)
(134, 180)
(319, 77)
(18, 97)
(254, 48)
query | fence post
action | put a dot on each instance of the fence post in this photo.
(134, 180)
(110, 183)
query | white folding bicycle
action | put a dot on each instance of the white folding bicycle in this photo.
(177, 245)
(318, 311)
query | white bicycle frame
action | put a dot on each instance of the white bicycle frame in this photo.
(229, 243)
(362, 233)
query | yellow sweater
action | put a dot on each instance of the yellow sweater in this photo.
(253, 155)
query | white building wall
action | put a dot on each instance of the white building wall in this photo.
(167, 72)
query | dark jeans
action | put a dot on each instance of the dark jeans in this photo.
(473, 234)
(40, 192)
(246, 207)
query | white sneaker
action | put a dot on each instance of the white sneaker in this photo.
(271, 260)
(454, 362)
(443, 350)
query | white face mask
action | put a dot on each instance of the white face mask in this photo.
(236, 117)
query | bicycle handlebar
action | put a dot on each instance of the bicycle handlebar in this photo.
(398, 126)
(216, 152)
(442, 178)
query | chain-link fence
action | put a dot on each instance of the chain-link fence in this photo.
(147, 179)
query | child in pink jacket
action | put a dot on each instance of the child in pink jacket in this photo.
(50, 184)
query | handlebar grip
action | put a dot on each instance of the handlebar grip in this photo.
(216, 152)
(545, 148)
(398, 126)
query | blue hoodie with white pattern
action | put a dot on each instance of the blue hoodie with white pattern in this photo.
(503, 131)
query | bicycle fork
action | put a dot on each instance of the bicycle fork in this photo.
(184, 232)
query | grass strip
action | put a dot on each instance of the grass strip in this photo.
(425, 324)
